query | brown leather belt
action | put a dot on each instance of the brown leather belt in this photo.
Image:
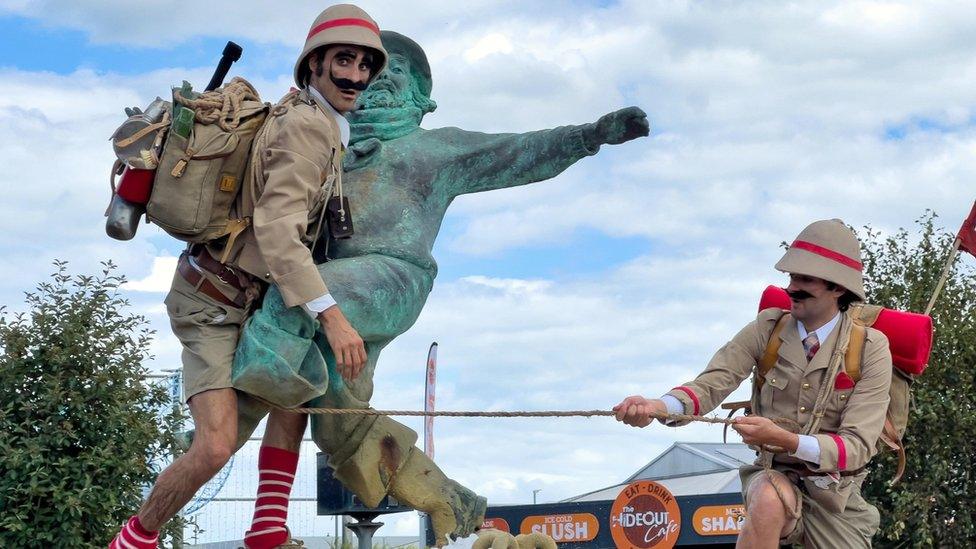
(804, 472)
(200, 282)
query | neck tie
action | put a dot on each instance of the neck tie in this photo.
(812, 344)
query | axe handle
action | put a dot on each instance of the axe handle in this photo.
(232, 52)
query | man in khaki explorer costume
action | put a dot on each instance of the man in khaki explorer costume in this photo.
(819, 471)
(296, 167)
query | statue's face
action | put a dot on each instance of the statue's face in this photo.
(393, 88)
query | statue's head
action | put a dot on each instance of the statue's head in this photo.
(406, 81)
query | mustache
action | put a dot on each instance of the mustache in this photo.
(346, 84)
(799, 295)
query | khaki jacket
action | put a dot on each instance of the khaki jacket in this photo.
(853, 418)
(295, 164)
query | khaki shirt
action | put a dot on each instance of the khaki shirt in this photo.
(853, 418)
(295, 165)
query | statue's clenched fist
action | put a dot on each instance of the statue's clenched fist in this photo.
(617, 127)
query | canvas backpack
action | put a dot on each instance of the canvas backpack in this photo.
(192, 155)
(896, 417)
(201, 172)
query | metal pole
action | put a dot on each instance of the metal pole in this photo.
(944, 276)
(534, 492)
(364, 527)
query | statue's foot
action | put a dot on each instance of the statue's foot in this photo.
(454, 510)
(469, 510)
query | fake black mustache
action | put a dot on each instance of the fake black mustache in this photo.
(799, 295)
(346, 84)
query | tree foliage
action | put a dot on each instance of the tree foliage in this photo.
(80, 429)
(933, 504)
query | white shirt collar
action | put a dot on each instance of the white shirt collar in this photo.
(340, 120)
(822, 333)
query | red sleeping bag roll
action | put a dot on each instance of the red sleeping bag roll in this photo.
(136, 185)
(909, 334)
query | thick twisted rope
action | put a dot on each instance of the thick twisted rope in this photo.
(785, 423)
(221, 106)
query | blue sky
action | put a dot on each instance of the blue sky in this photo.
(620, 276)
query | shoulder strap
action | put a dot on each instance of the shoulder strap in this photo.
(889, 435)
(855, 350)
(771, 353)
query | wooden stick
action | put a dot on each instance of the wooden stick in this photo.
(945, 275)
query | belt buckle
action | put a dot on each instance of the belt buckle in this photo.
(824, 482)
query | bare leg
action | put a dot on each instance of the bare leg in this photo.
(215, 421)
(766, 518)
(285, 430)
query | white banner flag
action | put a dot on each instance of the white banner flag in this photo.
(429, 400)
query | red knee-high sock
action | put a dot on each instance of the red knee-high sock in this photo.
(276, 473)
(134, 536)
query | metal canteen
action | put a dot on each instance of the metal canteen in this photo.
(131, 153)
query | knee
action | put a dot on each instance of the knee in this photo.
(212, 455)
(764, 501)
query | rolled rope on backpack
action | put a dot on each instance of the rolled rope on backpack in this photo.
(221, 107)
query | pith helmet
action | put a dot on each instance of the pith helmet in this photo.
(419, 66)
(342, 24)
(828, 250)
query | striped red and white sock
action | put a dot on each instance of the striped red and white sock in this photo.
(134, 536)
(276, 474)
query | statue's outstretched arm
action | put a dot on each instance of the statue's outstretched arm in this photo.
(483, 162)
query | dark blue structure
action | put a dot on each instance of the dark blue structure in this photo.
(514, 515)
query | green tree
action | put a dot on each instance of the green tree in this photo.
(933, 504)
(80, 429)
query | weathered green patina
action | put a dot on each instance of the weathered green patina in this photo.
(400, 180)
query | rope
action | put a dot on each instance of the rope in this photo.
(793, 513)
(788, 424)
(221, 106)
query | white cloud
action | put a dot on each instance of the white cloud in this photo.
(491, 43)
(159, 278)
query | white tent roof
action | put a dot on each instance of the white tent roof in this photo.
(687, 468)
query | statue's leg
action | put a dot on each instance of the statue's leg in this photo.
(374, 456)
(454, 510)
(250, 412)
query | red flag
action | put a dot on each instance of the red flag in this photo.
(967, 233)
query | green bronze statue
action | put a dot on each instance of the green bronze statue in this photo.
(400, 180)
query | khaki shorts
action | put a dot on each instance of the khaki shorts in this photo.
(208, 330)
(820, 528)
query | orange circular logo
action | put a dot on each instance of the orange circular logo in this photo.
(644, 516)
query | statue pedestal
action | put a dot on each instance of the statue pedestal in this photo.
(364, 528)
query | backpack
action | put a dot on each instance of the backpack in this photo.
(896, 418)
(199, 152)
(202, 164)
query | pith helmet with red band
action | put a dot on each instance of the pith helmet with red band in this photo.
(828, 250)
(342, 24)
